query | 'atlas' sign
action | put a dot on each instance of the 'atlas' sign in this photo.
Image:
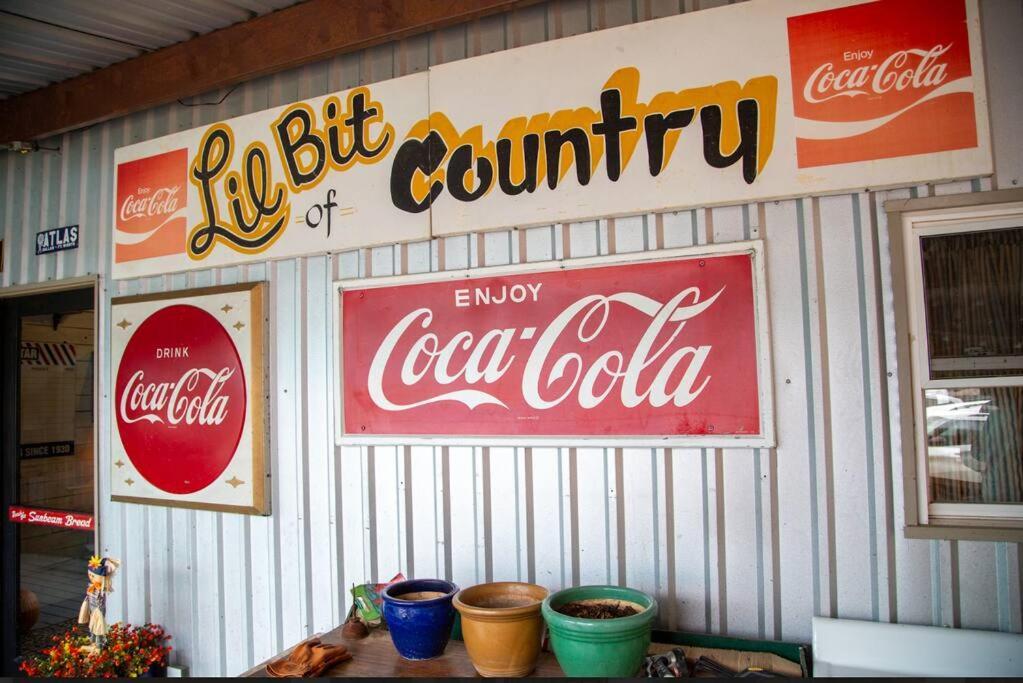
(642, 351)
(56, 239)
(803, 97)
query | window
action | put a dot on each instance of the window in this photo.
(962, 320)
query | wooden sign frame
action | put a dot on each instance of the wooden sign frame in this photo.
(255, 433)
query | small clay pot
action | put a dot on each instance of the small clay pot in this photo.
(419, 616)
(502, 627)
(354, 629)
(28, 610)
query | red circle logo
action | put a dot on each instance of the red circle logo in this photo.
(180, 399)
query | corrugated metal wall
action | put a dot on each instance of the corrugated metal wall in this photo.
(747, 542)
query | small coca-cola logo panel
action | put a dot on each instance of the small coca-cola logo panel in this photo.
(187, 399)
(881, 79)
(661, 348)
(152, 196)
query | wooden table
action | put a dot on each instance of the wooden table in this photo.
(375, 656)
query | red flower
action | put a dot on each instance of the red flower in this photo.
(130, 651)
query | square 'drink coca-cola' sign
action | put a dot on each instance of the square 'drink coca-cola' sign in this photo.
(655, 351)
(187, 407)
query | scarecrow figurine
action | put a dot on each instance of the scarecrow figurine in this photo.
(94, 607)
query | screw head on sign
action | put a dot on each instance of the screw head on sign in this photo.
(363, 427)
(710, 428)
(702, 263)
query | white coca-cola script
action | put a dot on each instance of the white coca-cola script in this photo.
(195, 398)
(161, 202)
(913, 68)
(638, 375)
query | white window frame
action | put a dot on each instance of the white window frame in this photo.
(909, 222)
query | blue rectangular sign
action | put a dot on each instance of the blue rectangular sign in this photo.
(57, 239)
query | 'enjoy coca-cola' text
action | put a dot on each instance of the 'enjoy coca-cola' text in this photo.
(662, 348)
(160, 202)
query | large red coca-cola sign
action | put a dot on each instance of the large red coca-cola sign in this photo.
(663, 348)
(187, 398)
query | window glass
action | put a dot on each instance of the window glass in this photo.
(55, 470)
(973, 298)
(975, 444)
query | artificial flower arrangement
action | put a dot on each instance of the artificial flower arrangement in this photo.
(129, 652)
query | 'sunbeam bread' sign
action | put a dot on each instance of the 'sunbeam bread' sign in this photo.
(668, 350)
(758, 100)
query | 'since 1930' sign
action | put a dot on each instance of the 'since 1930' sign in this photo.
(646, 351)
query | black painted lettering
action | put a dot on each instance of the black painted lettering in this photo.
(656, 127)
(416, 156)
(611, 125)
(294, 142)
(357, 122)
(530, 156)
(553, 141)
(459, 165)
(748, 116)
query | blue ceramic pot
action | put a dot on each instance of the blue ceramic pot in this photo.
(419, 615)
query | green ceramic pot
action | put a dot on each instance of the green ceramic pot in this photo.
(608, 648)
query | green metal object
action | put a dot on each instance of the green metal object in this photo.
(793, 652)
(608, 648)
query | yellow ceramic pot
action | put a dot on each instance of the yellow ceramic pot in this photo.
(502, 627)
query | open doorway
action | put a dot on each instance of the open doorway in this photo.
(49, 464)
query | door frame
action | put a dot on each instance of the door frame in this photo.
(58, 297)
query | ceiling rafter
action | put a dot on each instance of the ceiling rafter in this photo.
(231, 55)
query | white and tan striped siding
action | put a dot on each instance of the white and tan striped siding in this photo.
(738, 541)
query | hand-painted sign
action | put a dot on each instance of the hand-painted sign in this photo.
(57, 239)
(823, 96)
(187, 399)
(671, 113)
(660, 349)
(310, 177)
(57, 518)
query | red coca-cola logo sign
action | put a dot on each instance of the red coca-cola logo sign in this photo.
(652, 349)
(881, 79)
(152, 194)
(180, 399)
